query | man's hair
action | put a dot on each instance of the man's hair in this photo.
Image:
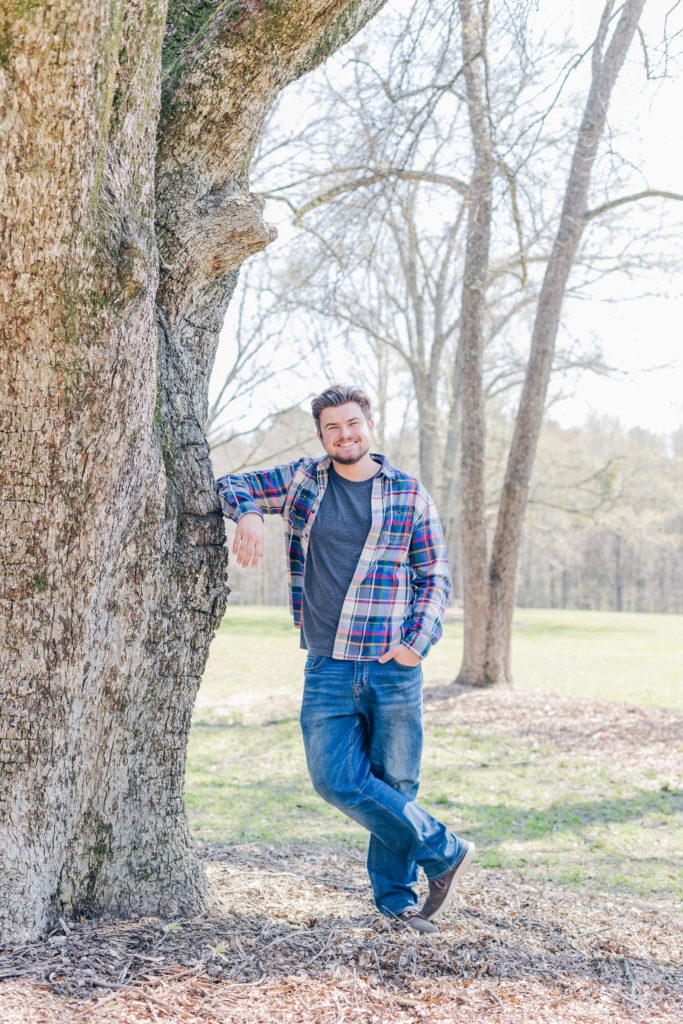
(340, 394)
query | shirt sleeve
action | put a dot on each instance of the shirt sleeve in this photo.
(263, 491)
(431, 583)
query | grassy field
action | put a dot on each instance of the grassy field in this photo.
(636, 659)
(559, 778)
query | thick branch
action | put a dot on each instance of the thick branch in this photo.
(258, 46)
(223, 73)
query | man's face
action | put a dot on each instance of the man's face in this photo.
(345, 433)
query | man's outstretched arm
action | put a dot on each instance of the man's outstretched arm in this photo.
(262, 491)
(245, 498)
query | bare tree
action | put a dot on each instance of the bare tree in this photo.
(390, 221)
(491, 587)
(475, 277)
(387, 281)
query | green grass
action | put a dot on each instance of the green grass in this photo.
(558, 815)
(635, 659)
(625, 657)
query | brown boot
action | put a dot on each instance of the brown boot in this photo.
(441, 889)
(417, 921)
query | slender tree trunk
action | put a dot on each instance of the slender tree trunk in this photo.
(427, 419)
(618, 574)
(449, 497)
(494, 664)
(119, 257)
(474, 554)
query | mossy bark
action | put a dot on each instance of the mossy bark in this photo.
(125, 216)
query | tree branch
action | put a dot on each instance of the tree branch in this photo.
(650, 193)
(372, 179)
(267, 45)
(237, 57)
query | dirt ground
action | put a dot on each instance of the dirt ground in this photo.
(297, 939)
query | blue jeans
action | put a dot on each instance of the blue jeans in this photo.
(362, 730)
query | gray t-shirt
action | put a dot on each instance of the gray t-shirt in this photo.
(337, 539)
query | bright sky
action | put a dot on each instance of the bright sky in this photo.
(641, 338)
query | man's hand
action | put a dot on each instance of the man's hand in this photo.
(403, 655)
(248, 543)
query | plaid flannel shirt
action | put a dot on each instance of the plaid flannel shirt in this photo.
(400, 587)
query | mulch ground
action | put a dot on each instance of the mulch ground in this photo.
(298, 940)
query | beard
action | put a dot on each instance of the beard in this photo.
(352, 459)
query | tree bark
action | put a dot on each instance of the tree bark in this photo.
(449, 502)
(125, 215)
(479, 200)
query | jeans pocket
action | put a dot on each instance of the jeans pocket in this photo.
(313, 662)
(404, 668)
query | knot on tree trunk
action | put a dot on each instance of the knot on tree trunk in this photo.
(217, 234)
(230, 228)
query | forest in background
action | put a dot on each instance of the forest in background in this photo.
(604, 528)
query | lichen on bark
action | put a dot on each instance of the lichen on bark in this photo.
(187, 20)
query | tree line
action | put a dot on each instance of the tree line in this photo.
(603, 531)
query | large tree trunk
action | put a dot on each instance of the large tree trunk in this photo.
(112, 550)
(493, 662)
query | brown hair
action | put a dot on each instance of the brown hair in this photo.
(340, 394)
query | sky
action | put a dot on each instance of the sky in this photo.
(641, 338)
(641, 341)
(640, 335)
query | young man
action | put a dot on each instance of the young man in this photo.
(369, 583)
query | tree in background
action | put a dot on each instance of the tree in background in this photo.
(604, 528)
(451, 222)
(490, 582)
(125, 141)
(378, 274)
